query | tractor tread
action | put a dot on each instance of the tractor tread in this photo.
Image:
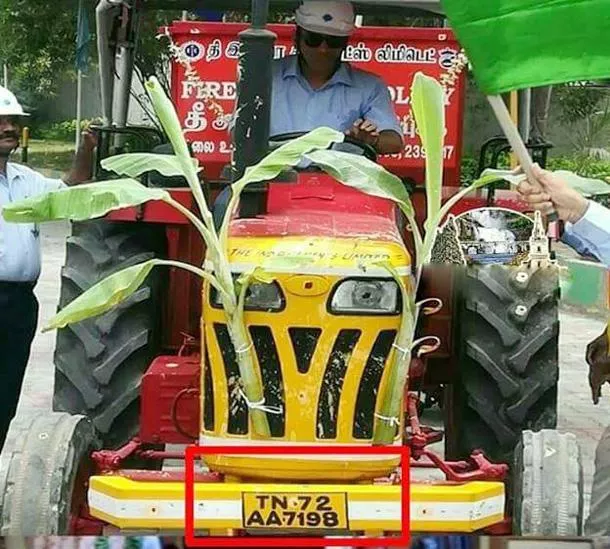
(549, 496)
(508, 359)
(46, 451)
(100, 361)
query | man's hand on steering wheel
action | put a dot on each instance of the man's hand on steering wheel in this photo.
(365, 131)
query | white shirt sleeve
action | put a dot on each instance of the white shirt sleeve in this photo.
(47, 184)
(593, 231)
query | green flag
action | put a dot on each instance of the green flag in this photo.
(82, 37)
(516, 44)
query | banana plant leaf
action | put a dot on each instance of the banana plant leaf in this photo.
(114, 289)
(82, 202)
(289, 154)
(363, 174)
(135, 164)
(428, 103)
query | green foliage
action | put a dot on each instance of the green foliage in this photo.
(81, 202)
(582, 165)
(585, 111)
(132, 543)
(468, 171)
(61, 131)
(586, 167)
(38, 44)
(577, 101)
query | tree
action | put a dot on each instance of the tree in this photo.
(585, 110)
(37, 44)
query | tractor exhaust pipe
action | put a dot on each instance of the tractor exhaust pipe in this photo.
(104, 18)
(251, 134)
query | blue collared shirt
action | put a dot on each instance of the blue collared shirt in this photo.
(350, 94)
(20, 242)
(591, 233)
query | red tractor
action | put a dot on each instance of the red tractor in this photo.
(147, 375)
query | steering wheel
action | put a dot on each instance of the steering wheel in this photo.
(366, 150)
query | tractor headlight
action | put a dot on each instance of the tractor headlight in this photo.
(372, 297)
(259, 297)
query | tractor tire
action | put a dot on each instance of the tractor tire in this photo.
(548, 485)
(508, 372)
(99, 362)
(44, 473)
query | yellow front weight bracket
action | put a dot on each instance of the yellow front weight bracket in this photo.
(144, 505)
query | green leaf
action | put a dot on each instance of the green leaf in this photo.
(103, 296)
(363, 174)
(258, 274)
(82, 202)
(115, 288)
(165, 111)
(135, 164)
(428, 104)
(289, 154)
(478, 184)
(514, 177)
(584, 185)
(367, 176)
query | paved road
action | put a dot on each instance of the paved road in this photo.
(577, 414)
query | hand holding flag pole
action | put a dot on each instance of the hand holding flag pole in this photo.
(517, 144)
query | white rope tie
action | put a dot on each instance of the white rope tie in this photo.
(244, 349)
(276, 410)
(402, 350)
(390, 420)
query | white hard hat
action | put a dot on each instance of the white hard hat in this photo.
(9, 106)
(335, 18)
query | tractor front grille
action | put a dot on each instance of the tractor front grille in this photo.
(322, 402)
(332, 383)
(368, 390)
(304, 342)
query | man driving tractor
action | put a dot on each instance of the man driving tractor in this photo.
(316, 88)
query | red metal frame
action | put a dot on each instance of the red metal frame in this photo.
(477, 467)
(169, 399)
(81, 522)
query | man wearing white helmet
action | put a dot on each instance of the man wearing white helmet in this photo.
(20, 253)
(315, 88)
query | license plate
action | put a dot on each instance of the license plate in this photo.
(302, 511)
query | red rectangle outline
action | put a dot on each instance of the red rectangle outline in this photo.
(219, 541)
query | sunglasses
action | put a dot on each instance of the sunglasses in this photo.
(314, 40)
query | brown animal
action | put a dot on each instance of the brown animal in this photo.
(598, 359)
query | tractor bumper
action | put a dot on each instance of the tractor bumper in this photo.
(129, 504)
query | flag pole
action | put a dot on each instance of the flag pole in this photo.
(514, 139)
(79, 106)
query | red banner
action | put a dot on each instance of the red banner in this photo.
(205, 96)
